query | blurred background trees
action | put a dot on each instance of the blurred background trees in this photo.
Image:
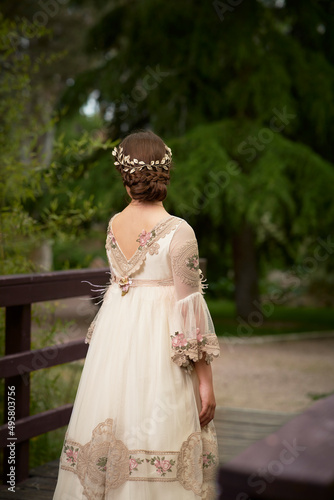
(244, 95)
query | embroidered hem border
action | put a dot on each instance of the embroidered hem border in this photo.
(105, 463)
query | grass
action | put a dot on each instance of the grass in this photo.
(51, 388)
(277, 320)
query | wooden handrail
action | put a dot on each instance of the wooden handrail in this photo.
(294, 463)
(17, 293)
(23, 289)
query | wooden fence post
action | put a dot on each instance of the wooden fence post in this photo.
(18, 338)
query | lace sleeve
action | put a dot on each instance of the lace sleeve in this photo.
(193, 330)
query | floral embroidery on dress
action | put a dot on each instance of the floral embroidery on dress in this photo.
(187, 351)
(105, 463)
(154, 249)
(144, 238)
(186, 264)
(147, 244)
(102, 464)
(193, 262)
(178, 340)
(161, 465)
(133, 463)
(208, 460)
(111, 239)
(71, 454)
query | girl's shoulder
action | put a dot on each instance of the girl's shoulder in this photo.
(184, 230)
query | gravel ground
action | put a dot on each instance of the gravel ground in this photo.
(274, 375)
(260, 373)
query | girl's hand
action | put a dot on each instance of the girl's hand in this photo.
(208, 403)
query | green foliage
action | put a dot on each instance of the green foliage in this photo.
(280, 187)
(257, 58)
(39, 198)
(282, 320)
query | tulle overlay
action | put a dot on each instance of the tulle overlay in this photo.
(194, 332)
(134, 432)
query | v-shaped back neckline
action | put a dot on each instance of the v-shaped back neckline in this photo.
(139, 248)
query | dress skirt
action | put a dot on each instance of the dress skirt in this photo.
(134, 432)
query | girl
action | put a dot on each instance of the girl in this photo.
(141, 426)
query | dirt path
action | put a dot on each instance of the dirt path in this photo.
(278, 376)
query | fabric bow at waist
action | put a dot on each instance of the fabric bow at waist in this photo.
(125, 282)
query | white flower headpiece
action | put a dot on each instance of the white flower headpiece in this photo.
(135, 165)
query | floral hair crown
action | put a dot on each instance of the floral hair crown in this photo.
(135, 165)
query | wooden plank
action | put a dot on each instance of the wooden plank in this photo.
(34, 425)
(49, 469)
(39, 287)
(23, 363)
(238, 428)
(293, 463)
(40, 485)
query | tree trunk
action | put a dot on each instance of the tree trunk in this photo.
(245, 272)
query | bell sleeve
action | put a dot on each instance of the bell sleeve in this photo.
(193, 334)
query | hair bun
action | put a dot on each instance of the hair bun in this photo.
(145, 184)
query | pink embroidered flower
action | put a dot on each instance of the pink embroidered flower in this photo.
(133, 463)
(178, 340)
(209, 459)
(144, 237)
(161, 465)
(71, 455)
(112, 240)
(198, 335)
(193, 262)
(166, 465)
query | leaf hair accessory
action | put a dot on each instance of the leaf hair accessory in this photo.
(135, 165)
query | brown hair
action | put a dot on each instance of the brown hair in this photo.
(145, 185)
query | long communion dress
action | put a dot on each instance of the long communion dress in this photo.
(134, 432)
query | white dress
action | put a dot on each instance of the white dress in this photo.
(134, 432)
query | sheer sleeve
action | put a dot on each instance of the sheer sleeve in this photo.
(193, 332)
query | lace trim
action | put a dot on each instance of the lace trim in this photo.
(210, 452)
(105, 463)
(186, 263)
(187, 351)
(125, 267)
(190, 471)
(91, 328)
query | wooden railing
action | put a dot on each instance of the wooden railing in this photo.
(294, 463)
(17, 293)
